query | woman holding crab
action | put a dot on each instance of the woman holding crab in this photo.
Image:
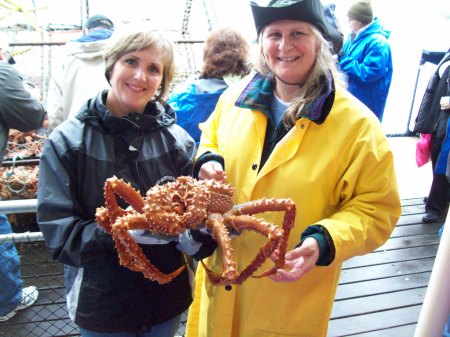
(293, 131)
(126, 131)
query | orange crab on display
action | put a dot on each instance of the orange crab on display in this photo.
(187, 203)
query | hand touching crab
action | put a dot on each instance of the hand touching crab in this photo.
(188, 203)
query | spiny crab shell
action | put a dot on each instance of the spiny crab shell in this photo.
(191, 204)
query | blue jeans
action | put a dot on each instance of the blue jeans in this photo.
(166, 329)
(447, 329)
(11, 283)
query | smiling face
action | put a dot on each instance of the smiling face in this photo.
(290, 50)
(135, 78)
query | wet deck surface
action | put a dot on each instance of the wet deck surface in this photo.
(381, 293)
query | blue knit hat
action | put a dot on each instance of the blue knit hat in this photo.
(99, 21)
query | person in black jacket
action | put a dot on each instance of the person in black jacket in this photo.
(336, 34)
(128, 131)
(21, 111)
(433, 118)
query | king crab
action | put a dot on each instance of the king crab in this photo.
(188, 203)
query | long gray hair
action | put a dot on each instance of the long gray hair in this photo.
(313, 87)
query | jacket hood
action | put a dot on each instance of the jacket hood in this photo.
(96, 35)
(376, 28)
(86, 50)
(208, 85)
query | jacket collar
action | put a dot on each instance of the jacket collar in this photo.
(373, 28)
(258, 95)
(132, 127)
(155, 116)
(96, 35)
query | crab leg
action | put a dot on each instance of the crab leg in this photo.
(106, 216)
(102, 218)
(123, 190)
(273, 205)
(220, 233)
(131, 255)
(272, 232)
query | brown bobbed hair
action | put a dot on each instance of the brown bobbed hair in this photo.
(226, 52)
(138, 38)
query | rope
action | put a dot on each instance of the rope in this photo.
(210, 25)
(186, 19)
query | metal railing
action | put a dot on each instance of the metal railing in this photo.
(18, 206)
(48, 316)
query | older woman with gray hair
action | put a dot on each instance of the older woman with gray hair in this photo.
(293, 131)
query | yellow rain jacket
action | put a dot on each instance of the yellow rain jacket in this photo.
(340, 174)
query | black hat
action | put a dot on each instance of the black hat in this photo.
(99, 21)
(11, 59)
(302, 10)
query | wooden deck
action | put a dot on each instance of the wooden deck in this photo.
(380, 294)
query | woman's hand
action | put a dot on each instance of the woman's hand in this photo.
(212, 170)
(298, 262)
(445, 103)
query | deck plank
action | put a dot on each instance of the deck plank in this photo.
(415, 229)
(368, 273)
(389, 256)
(383, 286)
(410, 241)
(373, 321)
(378, 303)
(398, 331)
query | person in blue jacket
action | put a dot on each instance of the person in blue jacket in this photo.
(225, 60)
(367, 58)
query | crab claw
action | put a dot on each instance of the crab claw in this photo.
(268, 272)
(217, 279)
(280, 263)
(102, 218)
